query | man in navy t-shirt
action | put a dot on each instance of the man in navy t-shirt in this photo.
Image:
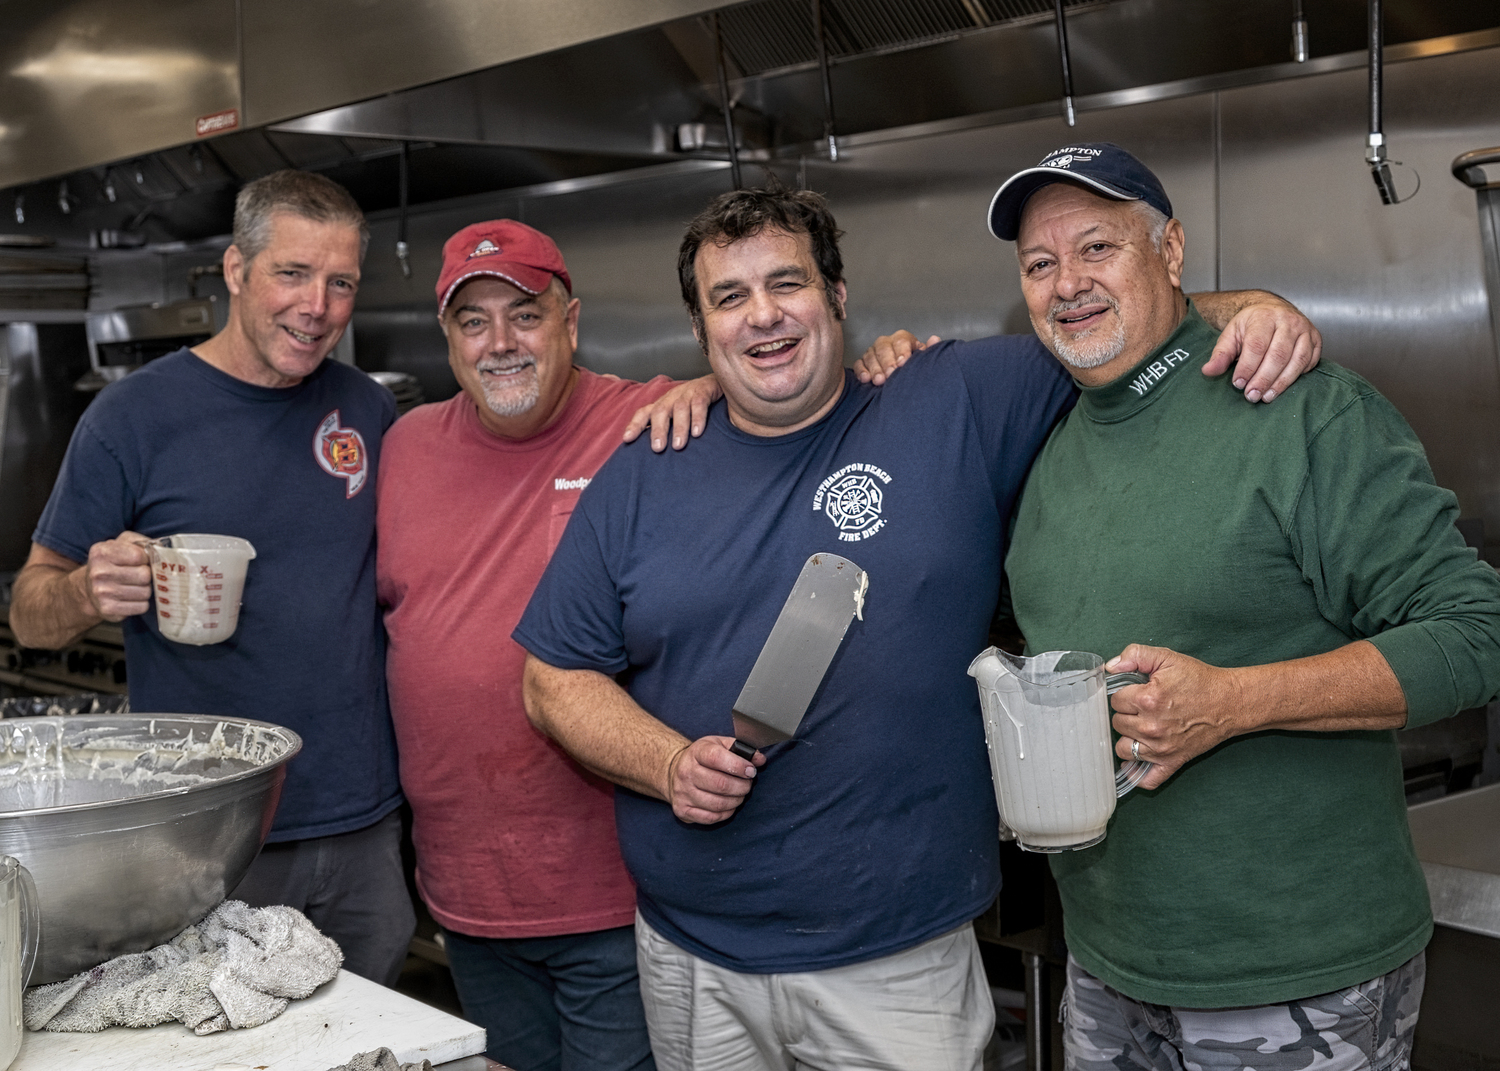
(823, 917)
(254, 434)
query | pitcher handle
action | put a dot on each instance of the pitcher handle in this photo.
(1131, 773)
(31, 921)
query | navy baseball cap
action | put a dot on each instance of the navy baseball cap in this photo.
(1098, 166)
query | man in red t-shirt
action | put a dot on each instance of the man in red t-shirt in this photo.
(516, 851)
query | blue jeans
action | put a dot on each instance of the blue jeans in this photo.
(569, 1003)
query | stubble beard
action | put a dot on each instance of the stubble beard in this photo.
(514, 398)
(1093, 348)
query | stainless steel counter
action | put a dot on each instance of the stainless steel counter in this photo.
(1458, 841)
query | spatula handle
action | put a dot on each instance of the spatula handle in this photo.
(743, 750)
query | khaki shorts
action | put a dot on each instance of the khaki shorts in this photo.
(926, 1009)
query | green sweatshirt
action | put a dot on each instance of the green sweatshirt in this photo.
(1165, 510)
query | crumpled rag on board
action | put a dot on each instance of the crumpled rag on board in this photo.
(239, 967)
(381, 1059)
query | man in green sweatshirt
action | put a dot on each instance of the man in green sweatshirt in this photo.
(1291, 579)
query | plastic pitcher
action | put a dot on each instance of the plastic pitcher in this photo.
(198, 580)
(1046, 722)
(20, 931)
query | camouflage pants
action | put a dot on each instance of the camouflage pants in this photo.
(1367, 1026)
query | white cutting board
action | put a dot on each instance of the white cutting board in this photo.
(348, 1016)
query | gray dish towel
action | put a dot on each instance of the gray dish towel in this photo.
(239, 967)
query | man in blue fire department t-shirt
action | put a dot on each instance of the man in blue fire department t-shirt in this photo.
(823, 916)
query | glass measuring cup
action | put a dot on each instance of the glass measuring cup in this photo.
(198, 581)
(1046, 724)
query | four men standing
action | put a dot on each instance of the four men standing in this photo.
(821, 918)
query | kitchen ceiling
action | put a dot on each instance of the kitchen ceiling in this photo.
(605, 106)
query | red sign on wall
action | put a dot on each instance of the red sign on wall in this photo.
(218, 122)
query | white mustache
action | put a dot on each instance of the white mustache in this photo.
(505, 366)
(1062, 308)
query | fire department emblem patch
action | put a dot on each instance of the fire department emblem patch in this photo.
(853, 498)
(341, 453)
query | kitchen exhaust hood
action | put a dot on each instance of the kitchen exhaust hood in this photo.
(85, 83)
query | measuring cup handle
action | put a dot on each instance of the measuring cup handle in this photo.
(1131, 773)
(31, 920)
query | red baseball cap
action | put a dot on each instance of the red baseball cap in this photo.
(505, 249)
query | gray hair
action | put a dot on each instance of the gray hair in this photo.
(1156, 222)
(302, 193)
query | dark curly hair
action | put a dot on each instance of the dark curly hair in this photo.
(746, 213)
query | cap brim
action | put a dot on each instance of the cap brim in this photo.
(1005, 207)
(531, 280)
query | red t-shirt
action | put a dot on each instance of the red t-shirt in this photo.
(513, 838)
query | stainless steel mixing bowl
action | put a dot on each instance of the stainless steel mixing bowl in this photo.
(134, 826)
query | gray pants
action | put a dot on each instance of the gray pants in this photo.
(350, 886)
(1367, 1027)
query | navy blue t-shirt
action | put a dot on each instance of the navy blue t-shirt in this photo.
(875, 829)
(180, 446)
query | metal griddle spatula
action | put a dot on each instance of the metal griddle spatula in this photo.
(828, 593)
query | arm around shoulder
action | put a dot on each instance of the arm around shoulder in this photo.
(1269, 340)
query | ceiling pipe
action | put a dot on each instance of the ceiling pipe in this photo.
(724, 102)
(1067, 68)
(1299, 32)
(403, 251)
(1380, 168)
(818, 31)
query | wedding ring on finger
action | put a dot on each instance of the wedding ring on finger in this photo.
(1135, 750)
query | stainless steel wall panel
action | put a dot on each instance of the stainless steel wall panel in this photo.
(302, 56)
(1398, 291)
(90, 81)
(43, 361)
(918, 251)
(1268, 179)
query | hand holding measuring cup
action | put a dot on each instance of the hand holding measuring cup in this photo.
(117, 578)
(1188, 708)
